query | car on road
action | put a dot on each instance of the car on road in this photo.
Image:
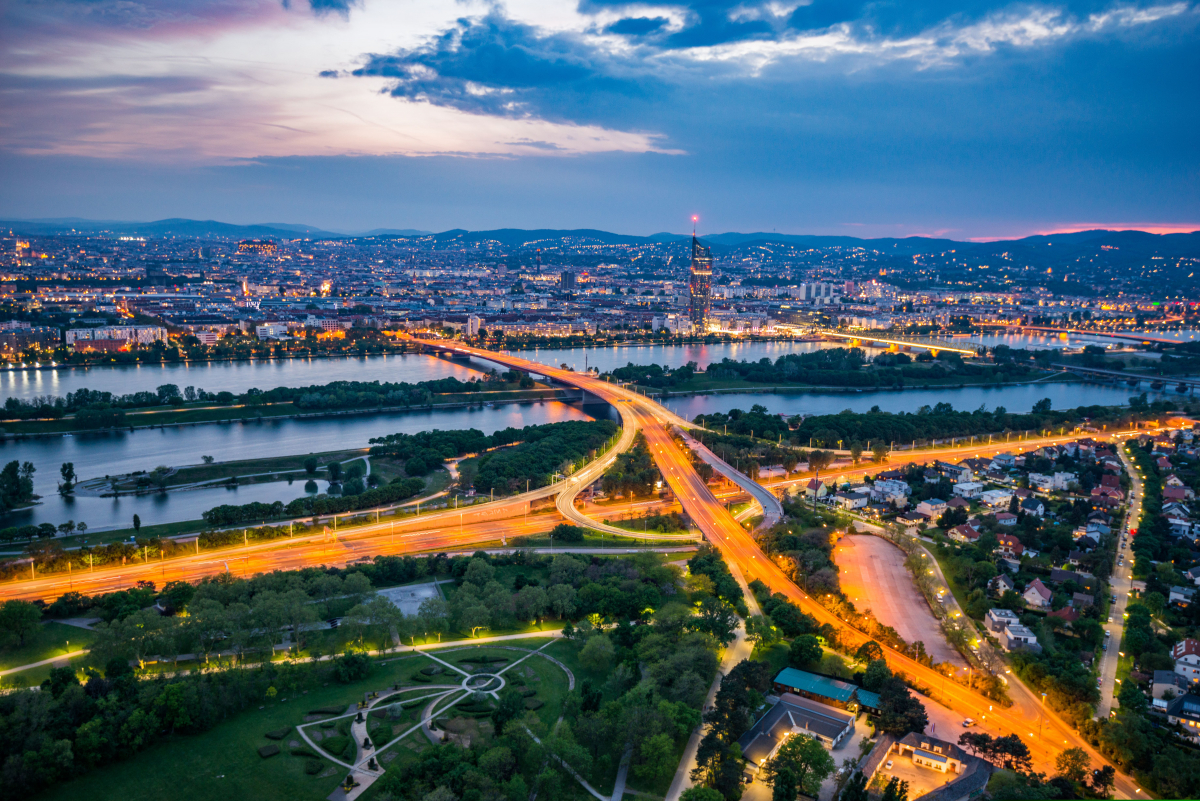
(1110, 618)
(1113, 599)
(1107, 633)
(1105, 646)
(968, 723)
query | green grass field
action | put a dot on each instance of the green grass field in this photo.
(223, 763)
(53, 639)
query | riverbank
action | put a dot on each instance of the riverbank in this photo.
(725, 387)
(174, 417)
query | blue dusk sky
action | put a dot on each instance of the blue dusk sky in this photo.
(968, 119)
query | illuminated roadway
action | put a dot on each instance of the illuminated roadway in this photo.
(487, 523)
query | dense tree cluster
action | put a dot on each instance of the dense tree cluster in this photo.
(542, 451)
(234, 514)
(633, 473)
(334, 395)
(16, 484)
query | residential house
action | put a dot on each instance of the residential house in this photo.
(1183, 596)
(995, 497)
(1063, 481)
(932, 508)
(1067, 614)
(816, 488)
(1037, 595)
(851, 500)
(1168, 680)
(1194, 575)
(1001, 584)
(1185, 711)
(968, 489)
(1009, 546)
(1033, 506)
(1081, 599)
(997, 620)
(1006, 519)
(1186, 654)
(1004, 461)
(964, 533)
(824, 690)
(957, 473)
(1019, 638)
(1041, 482)
(1086, 544)
(958, 503)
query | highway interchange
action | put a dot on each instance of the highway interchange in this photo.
(1045, 733)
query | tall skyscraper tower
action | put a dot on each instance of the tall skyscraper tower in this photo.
(700, 285)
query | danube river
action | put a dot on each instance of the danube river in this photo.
(109, 453)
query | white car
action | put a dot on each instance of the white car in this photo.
(1108, 633)
(968, 723)
(1110, 618)
(888, 765)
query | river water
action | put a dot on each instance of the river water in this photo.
(99, 454)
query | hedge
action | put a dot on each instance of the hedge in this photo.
(304, 752)
(312, 767)
(534, 703)
(268, 751)
(278, 734)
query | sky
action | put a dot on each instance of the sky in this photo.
(967, 119)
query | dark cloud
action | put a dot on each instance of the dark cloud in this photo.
(497, 66)
(328, 74)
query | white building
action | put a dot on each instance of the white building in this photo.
(968, 489)
(996, 497)
(142, 334)
(1186, 654)
(271, 331)
(474, 322)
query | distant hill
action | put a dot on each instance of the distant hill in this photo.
(1051, 247)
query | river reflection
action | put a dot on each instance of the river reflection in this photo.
(102, 454)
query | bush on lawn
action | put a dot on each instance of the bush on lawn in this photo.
(328, 710)
(268, 751)
(312, 767)
(304, 752)
(278, 734)
(338, 745)
(534, 703)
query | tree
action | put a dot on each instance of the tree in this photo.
(760, 631)
(656, 756)
(805, 650)
(433, 616)
(895, 790)
(310, 465)
(1073, 763)
(876, 674)
(718, 619)
(856, 452)
(1103, 781)
(137, 524)
(701, 794)
(1132, 699)
(597, 654)
(81, 527)
(856, 788)
(800, 764)
(18, 619)
(335, 471)
(899, 712)
(869, 651)
(512, 704)
(879, 452)
(562, 599)
(67, 471)
(207, 459)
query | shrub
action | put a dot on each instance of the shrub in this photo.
(352, 666)
(338, 745)
(328, 724)
(328, 710)
(527, 692)
(278, 734)
(268, 751)
(534, 703)
(312, 767)
(303, 751)
(421, 678)
(432, 670)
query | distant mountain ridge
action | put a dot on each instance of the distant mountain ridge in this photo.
(1185, 244)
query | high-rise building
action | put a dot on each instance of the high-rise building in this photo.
(700, 285)
(568, 281)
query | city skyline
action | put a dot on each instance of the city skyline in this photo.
(995, 120)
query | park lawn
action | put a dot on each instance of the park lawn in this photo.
(48, 642)
(223, 763)
(775, 655)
